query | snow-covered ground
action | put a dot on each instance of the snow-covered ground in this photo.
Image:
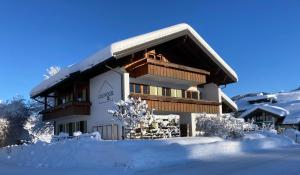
(93, 156)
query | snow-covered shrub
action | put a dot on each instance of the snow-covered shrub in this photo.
(250, 126)
(38, 129)
(3, 130)
(14, 114)
(139, 121)
(225, 126)
(130, 111)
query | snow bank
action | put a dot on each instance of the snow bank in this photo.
(134, 154)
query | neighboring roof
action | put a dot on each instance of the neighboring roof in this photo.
(134, 44)
(292, 119)
(262, 97)
(281, 112)
(228, 101)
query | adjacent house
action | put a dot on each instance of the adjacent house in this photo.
(173, 69)
(278, 109)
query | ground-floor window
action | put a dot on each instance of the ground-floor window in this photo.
(72, 127)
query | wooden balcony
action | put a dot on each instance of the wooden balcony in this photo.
(172, 104)
(153, 67)
(72, 108)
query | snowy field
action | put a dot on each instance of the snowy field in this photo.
(256, 153)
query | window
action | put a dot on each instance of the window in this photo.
(84, 94)
(71, 128)
(131, 87)
(67, 98)
(66, 128)
(61, 128)
(137, 88)
(153, 90)
(81, 126)
(183, 94)
(195, 95)
(173, 92)
(188, 94)
(146, 89)
(192, 94)
(178, 93)
(166, 91)
(159, 91)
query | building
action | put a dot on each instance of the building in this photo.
(173, 69)
(278, 109)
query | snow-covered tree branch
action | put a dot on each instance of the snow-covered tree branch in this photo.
(223, 126)
(51, 71)
(130, 111)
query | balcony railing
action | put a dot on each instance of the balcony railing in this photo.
(169, 70)
(173, 104)
(67, 109)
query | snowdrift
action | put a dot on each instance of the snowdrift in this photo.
(134, 154)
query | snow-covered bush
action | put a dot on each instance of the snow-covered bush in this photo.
(139, 121)
(20, 121)
(14, 114)
(130, 111)
(35, 126)
(225, 126)
(39, 130)
(3, 130)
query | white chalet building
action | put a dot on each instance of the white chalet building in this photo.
(173, 69)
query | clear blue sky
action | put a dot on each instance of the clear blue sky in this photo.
(259, 39)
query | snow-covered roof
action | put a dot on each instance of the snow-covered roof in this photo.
(262, 97)
(292, 119)
(281, 112)
(289, 101)
(228, 101)
(126, 47)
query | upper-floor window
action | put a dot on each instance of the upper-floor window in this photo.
(192, 95)
(146, 89)
(166, 91)
(136, 88)
(163, 91)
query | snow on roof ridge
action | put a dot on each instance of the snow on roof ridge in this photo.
(266, 107)
(120, 48)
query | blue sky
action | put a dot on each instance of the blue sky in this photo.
(259, 39)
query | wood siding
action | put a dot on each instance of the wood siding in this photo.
(72, 108)
(169, 70)
(171, 104)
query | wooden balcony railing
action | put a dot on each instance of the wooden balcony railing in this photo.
(170, 70)
(72, 108)
(173, 104)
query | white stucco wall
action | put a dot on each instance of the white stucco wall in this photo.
(212, 92)
(105, 90)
